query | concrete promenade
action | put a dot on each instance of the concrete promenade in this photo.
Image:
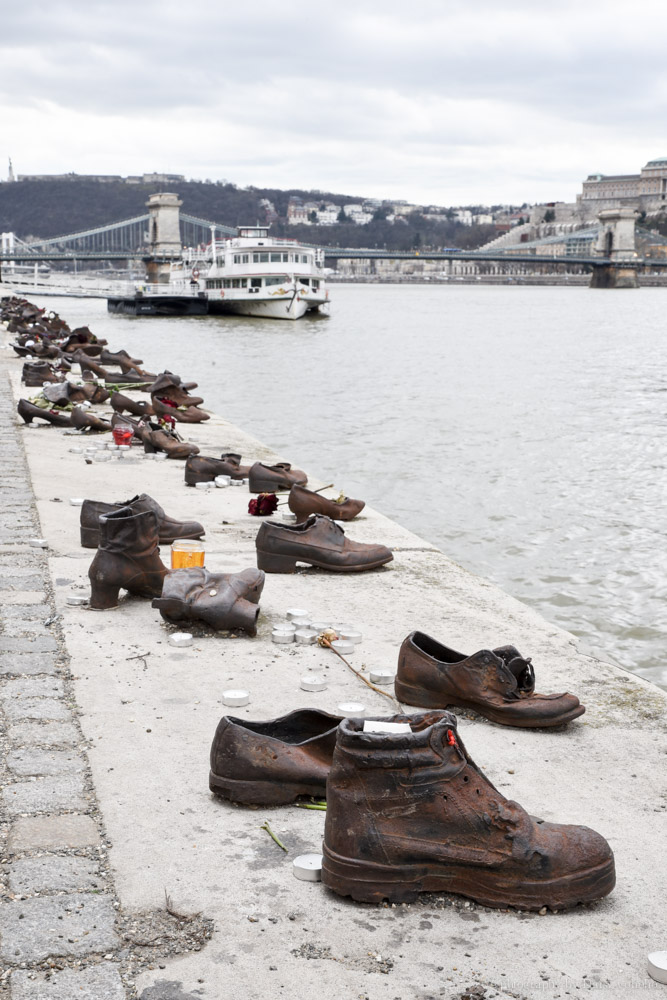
(105, 741)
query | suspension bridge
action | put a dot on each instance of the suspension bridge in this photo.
(159, 236)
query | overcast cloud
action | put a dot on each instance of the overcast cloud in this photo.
(488, 101)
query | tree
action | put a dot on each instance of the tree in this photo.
(549, 215)
(342, 217)
(312, 217)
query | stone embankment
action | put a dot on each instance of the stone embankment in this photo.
(123, 877)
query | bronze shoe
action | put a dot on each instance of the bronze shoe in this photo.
(28, 411)
(273, 762)
(318, 541)
(498, 684)
(269, 478)
(303, 502)
(168, 441)
(411, 812)
(221, 600)
(200, 469)
(85, 419)
(127, 557)
(185, 413)
(120, 403)
(168, 528)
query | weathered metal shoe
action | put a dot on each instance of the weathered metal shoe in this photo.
(85, 419)
(318, 541)
(185, 413)
(497, 683)
(28, 411)
(410, 812)
(120, 403)
(269, 478)
(168, 528)
(273, 762)
(221, 600)
(170, 386)
(303, 502)
(167, 441)
(200, 469)
(127, 557)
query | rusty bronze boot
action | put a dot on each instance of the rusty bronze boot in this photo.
(273, 762)
(168, 528)
(221, 600)
(127, 557)
(409, 812)
(497, 683)
(200, 469)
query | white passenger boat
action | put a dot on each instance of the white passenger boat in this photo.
(254, 274)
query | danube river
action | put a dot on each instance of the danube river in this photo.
(521, 430)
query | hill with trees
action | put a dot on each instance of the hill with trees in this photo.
(54, 207)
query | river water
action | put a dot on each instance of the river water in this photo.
(521, 430)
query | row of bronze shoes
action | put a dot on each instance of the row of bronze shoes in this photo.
(63, 402)
(407, 809)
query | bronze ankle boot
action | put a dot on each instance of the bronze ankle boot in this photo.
(127, 557)
(169, 529)
(410, 812)
(218, 599)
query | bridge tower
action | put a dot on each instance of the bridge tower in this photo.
(616, 242)
(164, 235)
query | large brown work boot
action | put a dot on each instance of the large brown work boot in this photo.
(497, 683)
(303, 502)
(128, 557)
(169, 529)
(221, 600)
(318, 541)
(273, 762)
(410, 812)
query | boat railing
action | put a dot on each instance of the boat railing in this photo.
(148, 289)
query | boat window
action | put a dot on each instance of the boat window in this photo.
(227, 283)
(304, 281)
(220, 261)
(244, 258)
(243, 282)
(260, 258)
(255, 282)
(275, 258)
(277, 279)
(316, 286)
(237, 258)
(285, 258)
(235, 283)
(209, 284)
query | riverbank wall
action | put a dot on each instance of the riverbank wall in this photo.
(107, 729)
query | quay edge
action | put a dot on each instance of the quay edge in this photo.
(149, 711)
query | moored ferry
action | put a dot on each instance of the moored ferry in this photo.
(254, 274)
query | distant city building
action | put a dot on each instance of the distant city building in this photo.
(103, 178)
(645, 191)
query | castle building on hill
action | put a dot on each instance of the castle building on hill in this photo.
(645, 191)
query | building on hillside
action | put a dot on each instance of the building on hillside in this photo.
(645, 191)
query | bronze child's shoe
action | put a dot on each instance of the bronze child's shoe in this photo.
(127, 557)
(168, 528)
(498, 683)
(273, 762)
(120, 403)
(221, 600)
(85, 419)
(318, 541)
(410, 812)
(303, 502)
(269, 478)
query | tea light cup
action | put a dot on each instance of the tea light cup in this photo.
(308, 867)
(180, 639)
(305, 636)
(351, 709)
(343, 646)
(313, 682)
(282, 637)
(295, 613)
(381, 676)
(235, 697)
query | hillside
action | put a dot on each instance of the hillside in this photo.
(56, 207)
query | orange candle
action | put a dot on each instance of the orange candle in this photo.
(186, 553)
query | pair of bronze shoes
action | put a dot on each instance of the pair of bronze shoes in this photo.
(128, 557)
(409, 811)
(261, 478)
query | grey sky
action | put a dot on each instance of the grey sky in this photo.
(439, 102)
